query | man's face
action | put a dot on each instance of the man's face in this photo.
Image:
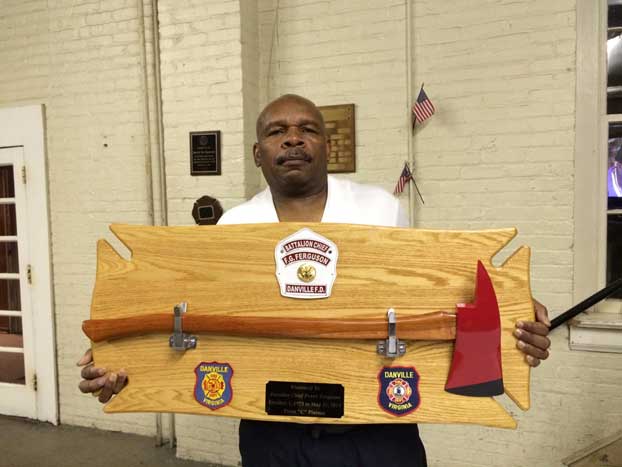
(292, 148)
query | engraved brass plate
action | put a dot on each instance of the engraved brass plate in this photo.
(339, 121)
(304, 399)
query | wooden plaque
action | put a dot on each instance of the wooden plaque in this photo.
(229, 270)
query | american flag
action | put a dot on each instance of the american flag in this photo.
(423, 108)
(405, 177)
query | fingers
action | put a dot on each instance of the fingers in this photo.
(92, 385)
(538, 341)
(108, 389)
(533, 341)
(533, 327)
(533, 351)
(104, 386)
(121, 381)
(97, 381)
(542, 314)
(530, 352)
(91, 372)
(86, 358)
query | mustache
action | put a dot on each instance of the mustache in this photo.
(293, 154)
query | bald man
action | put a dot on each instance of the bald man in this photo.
(292, 152)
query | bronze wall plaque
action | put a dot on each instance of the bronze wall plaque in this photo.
(304, 399)
(339, 121)
(205, 153)
(206, 210)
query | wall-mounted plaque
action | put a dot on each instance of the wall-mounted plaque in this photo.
(304, 399)
(339, 121)
(206, 210)
(205, 153)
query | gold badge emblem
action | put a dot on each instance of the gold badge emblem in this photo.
(306, 273)
(213, 385)
(306, 265)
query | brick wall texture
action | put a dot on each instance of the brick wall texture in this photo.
(499, 152)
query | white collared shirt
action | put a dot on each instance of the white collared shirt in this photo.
(347, 202)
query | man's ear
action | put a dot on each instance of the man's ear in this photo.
(327, 151)
(256, 155)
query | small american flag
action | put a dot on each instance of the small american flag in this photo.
(405, 177)
(423, 108)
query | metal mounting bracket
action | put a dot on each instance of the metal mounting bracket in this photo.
(391, 347)
(180, 340)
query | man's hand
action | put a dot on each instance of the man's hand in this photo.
(98, 381)
(532, 338)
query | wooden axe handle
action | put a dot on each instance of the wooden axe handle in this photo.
(439, 325)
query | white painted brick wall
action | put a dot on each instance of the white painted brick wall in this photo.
(201, 57)
(251, 83)
(81, 60)
(96, 153)
(209, 79)
(24, 52)
(498, 152)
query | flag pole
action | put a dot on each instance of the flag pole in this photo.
(409, 101)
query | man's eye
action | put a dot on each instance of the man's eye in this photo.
(275, 131)
(307, 129)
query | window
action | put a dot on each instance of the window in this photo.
(614, 146)
(597, 216)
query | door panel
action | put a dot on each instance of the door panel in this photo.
(17, 391)
(25, 269)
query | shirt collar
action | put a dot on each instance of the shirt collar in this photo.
(329, 208)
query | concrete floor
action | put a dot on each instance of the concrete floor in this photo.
(27, 443)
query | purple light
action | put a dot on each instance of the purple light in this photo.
(614, 180)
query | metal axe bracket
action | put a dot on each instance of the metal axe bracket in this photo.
(180, 340)
(391, 347)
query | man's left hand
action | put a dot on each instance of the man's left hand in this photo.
(532, 338)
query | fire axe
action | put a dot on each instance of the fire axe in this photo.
(476, 327)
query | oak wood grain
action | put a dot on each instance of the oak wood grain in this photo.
(229, 271)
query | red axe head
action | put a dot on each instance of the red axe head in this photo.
(476, 366)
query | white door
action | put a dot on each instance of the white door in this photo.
(28, 380)
(17, 375)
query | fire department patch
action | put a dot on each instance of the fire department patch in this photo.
(399, 390)
(213, 384)
(306, 265)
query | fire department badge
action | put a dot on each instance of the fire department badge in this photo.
(213, 384)
(306, 265)
(399, 390)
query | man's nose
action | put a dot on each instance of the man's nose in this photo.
(293, 137)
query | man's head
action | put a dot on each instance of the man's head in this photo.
(291, 146)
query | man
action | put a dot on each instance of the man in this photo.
(292, 152)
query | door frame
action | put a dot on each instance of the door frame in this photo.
(25, 126)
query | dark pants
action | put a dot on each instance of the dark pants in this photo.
(273, 444)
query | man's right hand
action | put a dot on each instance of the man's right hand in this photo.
(98, 381)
